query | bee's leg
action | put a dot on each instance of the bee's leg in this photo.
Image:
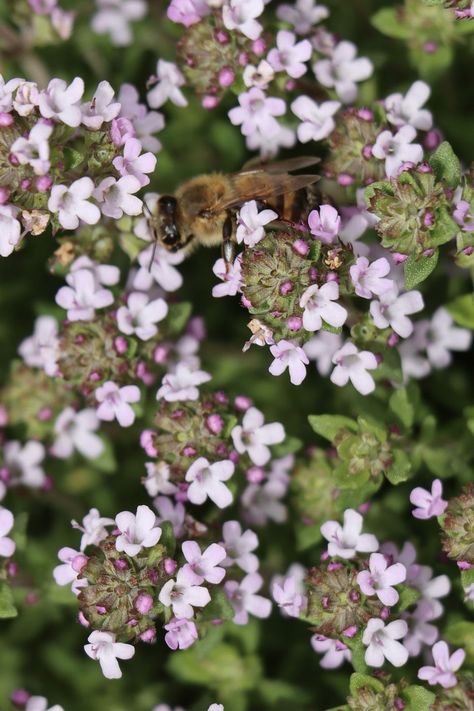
(228, 241)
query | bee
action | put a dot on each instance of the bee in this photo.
(203, 210)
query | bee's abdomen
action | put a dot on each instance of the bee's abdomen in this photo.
(296, 206)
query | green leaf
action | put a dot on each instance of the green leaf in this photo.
(7, 608)
(106, 461)
(219, 608)
(401, 405)
(307, 535)
(462, 310)
(328, 426)
(358, 650)
(391, 367)
(364, 681)
(289, 446)
(408, 596)
(401, 468)
(178, 315)
(443, 230)
(446, 165)
(167, 538)
(418, 698)
(467, 577)
(418, 268)
(387, 22)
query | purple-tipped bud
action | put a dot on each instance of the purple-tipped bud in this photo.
(294, 323)
(301, 247)
(392, 340)
(120, 344)
(19, 697)
(215, 424)
(259, 46)
(255, 475)
(367, 152)
(120, 564)
(148, 635)
(222, 37)
(44, 414)
(43, 183)
(170, 566)
(144, 603)
(399, 258)
(226, 77)
(189, 451)
(350, 631)
(345, 180)
(242, 402)
(209, 102)
(101, 610)
(78, 562)
(4, 195)
(82, 619)
(6, 120)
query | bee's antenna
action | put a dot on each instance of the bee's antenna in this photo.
(154, 233)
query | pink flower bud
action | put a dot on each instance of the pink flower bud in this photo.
(160, 354)
(19, 697)
(367, 152)
(350, 631)
(334, 566)
(82, 619)
(78, 562)
(332, 276)
(424, 168)
(255, 475)
(32, 598)
(242, 402)
(243, 59)
(226, 77)
(345, 180)
(294, 323)
(43, 183)
(25, 184)
(428, 252)
(385, 613)
(147, 442)
(234, 457)
(44, 414)
(11, 569)
(222, 37)
(354, 596)
(100, 609)
(286, 288)
(221, 397)
(430, 47)
(468, 251)
(170, 566)
(399, 703)
(120, 344)
(259, 46)
(364, 508)
(95, 376)
(144, 603)
(464, 565)
(148, 635)
(189, 451)
(4, 195)
(209, 102)
(399, 258)
(290, 85)
(6, 120)
(120, 564)
(365, 114)
(301, 247)
(392, 340)
(215, 424)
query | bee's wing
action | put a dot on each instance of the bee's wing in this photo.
(255, 165)
(261, 185)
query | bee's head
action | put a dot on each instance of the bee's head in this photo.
(168, 230)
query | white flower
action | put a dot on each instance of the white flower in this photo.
(317, 119)
(72, 204)
(24, 463)
(343, 70)
(101, 108)
(7, 545)
(93, 528)
(6, 92)
(288, 355)
(169, 79)
(352, 364)
(238, 546)
(115, 403)
(10, 229)
(137, 531)
(443, 337)
(260, 76)
(303, 15)
(253, 436)
(207, 482)
(116, 196)
(61, 101)
(75, 430)
(318, 304)
(40, 703)
(26, 98)
(83, 296)
(181, 595)
(182, 385)
(321, 348)
(240, 15)
(345, 541)
(113, 18)
(157, 479)
(141, 315)
(393, 310)
(397, 149)
(407, 109)
(103, 648)
(231, 276)
(251, 223)
(380, 642)
(34, 150)
(41, 350)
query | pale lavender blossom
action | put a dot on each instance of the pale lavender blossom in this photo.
(420, 632)
(26, 98)
(444, 671)
(463, 217)
(134, 162)
(72, 562)
(368, 278)
(180, 633)
(257, 112)
(187, 12)
(34, 150)
(63, 22)
(40, 703)
(251, 223)
(169, 81)
(137, 530)
(141, 315)
(72, 203)
(7, 545)
(157, 479)
(428, 503)
(115, 403)
(289, 355)
(143, 123)
(203, 566)
(231, 276)
(10, 229)
(380, 640)
(93, 528)
(262, 502)
(392, 310)
(397, 149)
(269, 140)
(343, 70)
(105, 274)
(207, 481)
(321, 348)
(325, 223)
(41, 350)
(443, 337)
(76, 430)
(174, 513)
(244, 599)
(402, 110)
(6, 92)
(241, 15)
(113, 18)
(303, 15)
(239, 547)
(182, 595)
(352, 364)
(42, 7)
(162, 269)
(24, 463)
(101, 108)
(182, 384)
(335, 652)
(345, 541)
(253, 436)
(469, 593)
(103, 648)
(289, 596)
(61, 102)
(380, 578)
(259, 76)
(116, 197)
(289, 55)
(320, 305)
(83, 296)
(317, 119)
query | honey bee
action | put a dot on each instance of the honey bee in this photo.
(203, 210)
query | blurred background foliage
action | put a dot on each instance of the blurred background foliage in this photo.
(261, 666)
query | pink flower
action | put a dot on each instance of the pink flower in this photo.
(397, 149)
(7, 545)
(187, 12)
(352, 364)
(105, 274)
(251, 223)
(182, 595)
(180, 633)
(140, 315)
(324, 224)
(34, 150)
(231, 277)
(41, 350)
(103, 648)
(380, 642)
(257, 111)
(463, 217)
(428, 504)
(262, 503)
(269, 140)
(345, 541)
(203, 566)
(380, 579)
(182, 385)
(393, 309)
(116, 196)
(335, 652)
(207, 482)
(101, 108)
(113, 18)
(321, 348)
(83, 296)
(443, 672)
(240, 15)
(238, 547)
(244, 600)
(303, 15)
(169, 81)
(319, 305)
(343, 70)
(63, 22)
(317, 119)
(253, 436)
(174, 513)
(402, 110)
(443, 337)
(26, 98)
(368, 278)
(289, 596)
(290, 56)
(157, 479)
(289, 355)
(260, 76)
(137, 531)
(76, 430)
(93, 528)
(10, 229)
(72, 564)
(114, 403)
(420, 632)
(24, 463)
(132, 163)
(162, 270)
(72, 204)
(61, 101)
